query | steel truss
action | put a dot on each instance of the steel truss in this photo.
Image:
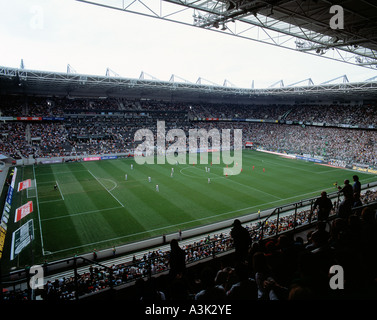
(292, 24)
(71, 83)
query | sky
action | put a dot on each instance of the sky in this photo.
(50, 34)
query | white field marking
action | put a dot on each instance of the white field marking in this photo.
(327, 171)
(135, 180)
(48, 201)
(333, 169)
(196, 177)
(320, 172)
(28, 190)
(244, 185)
(80, 213)
(114, 182)
(106, 189)
(187, 222)
(59, 190)
(39, 216)
(62, 172)
(284, 165)
(368, 179)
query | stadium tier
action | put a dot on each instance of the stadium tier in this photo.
(51, 127)
(76, 179)
(184, 199)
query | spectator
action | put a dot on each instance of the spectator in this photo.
(357, 202)
(210, 291)
(357, 185)
(345, 207)
(262, 275)
(177, 260)
(347, 190)
(369, 241)
(241, 239)
(323, 234)
(324, 205)
(300, 292)
(150, 291)
(245, 288)
(179, 290)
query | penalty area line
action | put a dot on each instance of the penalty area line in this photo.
(106, 188)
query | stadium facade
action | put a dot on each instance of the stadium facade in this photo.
(37, 83)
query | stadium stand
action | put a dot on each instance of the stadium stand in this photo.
(96, 126)
(294, 267)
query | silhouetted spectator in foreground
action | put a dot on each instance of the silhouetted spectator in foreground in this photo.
(210, 291)
(241, 240)
(347, 190)
(177, 259)
(324, 205)
(345, 207)
(246, 288)
(356, 185)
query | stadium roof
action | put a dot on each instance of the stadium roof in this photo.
(300, 25)
(31, 82)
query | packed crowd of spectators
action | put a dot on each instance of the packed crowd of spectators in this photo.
(13, 140)
(349, 242)
(58, 106)
(334, 114)
(78, 137)
(12, 106)
(364, 115)
(58, 139)
(103, 134)
(271, 112)
(348, 145)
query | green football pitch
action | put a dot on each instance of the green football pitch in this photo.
(94, 206)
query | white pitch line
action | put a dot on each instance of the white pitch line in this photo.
(114, 182)
(39, 215)
(80, 213)
(244, 185)
(186, 222)
(62, 172)
(59, 190)
(48, 201)
(106, 188)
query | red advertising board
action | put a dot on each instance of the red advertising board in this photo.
(29, 118)
(24, 185)
(23, 211)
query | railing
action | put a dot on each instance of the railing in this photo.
(75, 294)
(295, 206)
(158, 262)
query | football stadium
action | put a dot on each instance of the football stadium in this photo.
(138, 189)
